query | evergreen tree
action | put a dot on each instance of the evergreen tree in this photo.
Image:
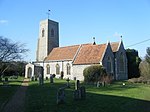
(133, 63)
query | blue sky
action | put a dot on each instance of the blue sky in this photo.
(79, 21)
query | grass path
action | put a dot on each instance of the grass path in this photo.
(16, 104)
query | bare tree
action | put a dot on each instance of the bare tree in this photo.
(9, 52)
(147, 57)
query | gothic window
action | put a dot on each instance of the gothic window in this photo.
(109, 65)
(52, 32)
(43, 31)
(48, 69)
(57, 69)
(121, 62)
(68, 69)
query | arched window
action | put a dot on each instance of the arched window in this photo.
(57, 69)
(68, 69)
(109, 65)
(121, 62)
(52, 32)
(48, 69)
(43, 31)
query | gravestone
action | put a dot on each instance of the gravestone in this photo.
(32, 78)
(68, 84)
(77, 85)
(76, 95)
(5, 82)
(40, 79)
(60, 96)
(51, 79)
(99, 84)
(35, 78)
(103, 83)
(83, 92)
(80, 93)
(61, 74)
(46, 78)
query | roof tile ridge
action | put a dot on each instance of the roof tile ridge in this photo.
(106, 45)
(74, 58)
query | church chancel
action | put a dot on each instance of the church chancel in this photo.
(70, 61)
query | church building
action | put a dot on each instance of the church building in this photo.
(72, 60)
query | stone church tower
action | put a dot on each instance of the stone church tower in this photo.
(48, 38)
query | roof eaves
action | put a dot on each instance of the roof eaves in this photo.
(104, 52)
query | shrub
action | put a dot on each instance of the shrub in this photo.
(145, 70)
(106, 78)
(93, 73)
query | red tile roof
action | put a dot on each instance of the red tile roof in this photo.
(90, 54)
(114, 46)
(63, 53)
(81, 54)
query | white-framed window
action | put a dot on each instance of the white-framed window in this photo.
(57, 69)
(48, 69)
(68, 69)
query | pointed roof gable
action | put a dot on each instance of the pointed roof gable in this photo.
(115, 46)
(90, 54)
(63, 53)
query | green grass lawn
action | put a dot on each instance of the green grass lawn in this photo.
(6, 92)
(112, 98)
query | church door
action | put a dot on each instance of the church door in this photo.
(29, 72)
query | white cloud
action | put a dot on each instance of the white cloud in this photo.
(3, 21)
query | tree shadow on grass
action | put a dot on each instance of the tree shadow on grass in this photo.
(43, 99)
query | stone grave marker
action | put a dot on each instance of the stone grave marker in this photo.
(77, 85)
(40, 79)
(51, 79)
(83, 92)
(60, 96)
(32, 78)
(68, 84)
(5, 82)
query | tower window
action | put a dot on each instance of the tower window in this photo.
(52, 32)
(43, 31)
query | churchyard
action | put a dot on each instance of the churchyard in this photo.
(7, 91)
(121, 96)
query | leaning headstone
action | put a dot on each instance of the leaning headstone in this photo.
(68, 84)
(60, 96)
(51, 79)
(77, 85)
